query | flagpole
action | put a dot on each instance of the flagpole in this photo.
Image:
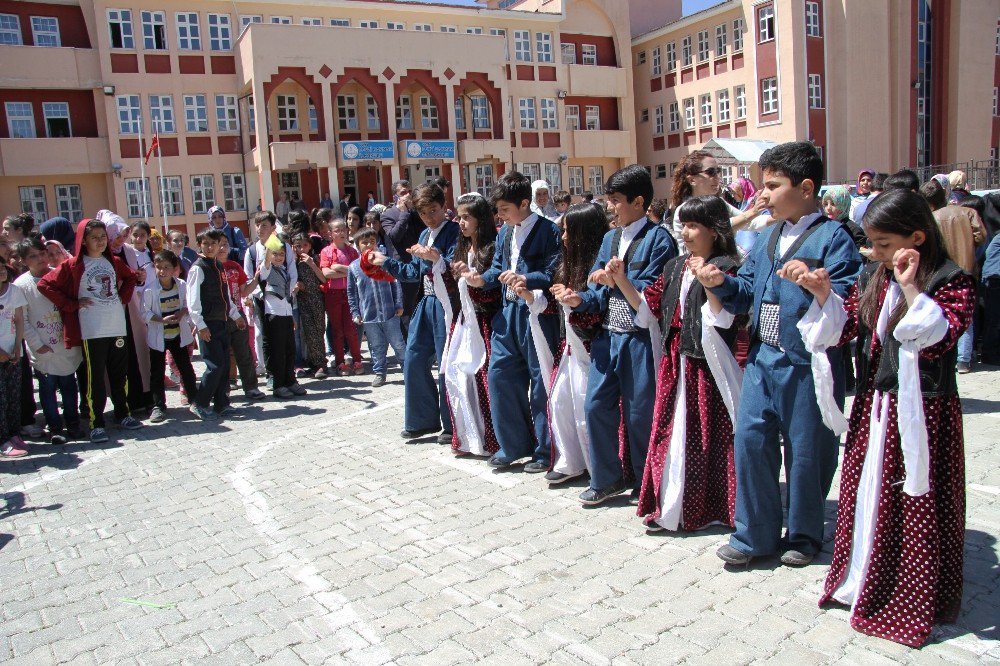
(142, 170)
(163, 205)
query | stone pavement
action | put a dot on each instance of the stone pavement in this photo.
(311, 533)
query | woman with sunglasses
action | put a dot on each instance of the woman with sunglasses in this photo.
(698, 176)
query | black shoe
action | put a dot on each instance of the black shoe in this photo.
(413, 434)
(555, 478)
(536, 467)
(499, 462)
(633, 497)
(593, 497)
(444, 438)
(730, 555)
(653, 526)
(795, 558)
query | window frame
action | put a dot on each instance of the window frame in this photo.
(658, 125)
(703, 47)
(223, 29)
(423, 27)
(522, 46)
(137, 191)
(20, 117)
(40, 34)
(543, 47)
(567, 55)
(574, 179)
(161, 116)
(690, 114)
(156, 22)
(116, 17)
(572, 114)
(723, 105)
(671, 56)
(134, 120)
(769, 95)
(739, 29)
(552, 173)
(37, 211)
(588, 52)
(347, 112)
(188, 31)
(192, 110)
(280, 20)
(592, 112)
(656, 61)
(287, 108)
(68, 118)
(706, 110)
(176, 198)
(233, 192)
(480, 111)
(813, 22)
(549, 113)
(373, 122)
(226, 114)
(11, 35)
(404, 113)
(527, 114)
(430, 120)
(721, 40)
(740, 101)
(687, 54)
(595, 176)
(202, 193)
(674, 117)
(72, 213)
(814, 88)
(765, 24)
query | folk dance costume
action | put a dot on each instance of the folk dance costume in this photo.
(517, 389)
(621, 381)
(426, 402)
(779, 394)
(466, 373)
(898, 557)
(690, 477)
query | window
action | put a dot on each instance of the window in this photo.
(288, 113)
(474, 31)
(459, 112)
(593, 117)
(661, 171)
(234, 194)
(33, 201)
(689, 113)
(137, 197)
(675, 117)
(589, 54)
(395, 25)
(703, 46)
(311, 21)
(313, 116)
(480, 112)
(195, 113)
(658, 121)
(543, 46)
(738, 30)
(741, 102)
(161, 113)
(404, 114)
(219, 33)
(532, 171)
(69, 202)
(225, 113)
(597, 179)
(10, 29)
(644, 116)
(815, 91)
(526, 107)
(769, 95)
(45, 31)
(640, 58)
(575, 180)
(706, 109)
(154, 31)
(129, 114)
(522, 46)
(336, 23)
(721, 40)
(371, 114)
(686, 51)
(347, 112)
(247, 20)
(568, 52)
(119, 29)
(572, 117)
(550, 120)
(20, 120)
(484, 179)
(448, 28)
(812, 20)
(671, 56)
(428, 113)
(188, 33)
(765, 24)
(722, 100)
(281, 20)
(56, 119)
(422, 27)
(553, 174)
(656, 65)
(501, 32)
(202, 193)
(171, 196)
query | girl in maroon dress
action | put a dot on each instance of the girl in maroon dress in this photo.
(897, 559)
(689, 481)
(471, 328)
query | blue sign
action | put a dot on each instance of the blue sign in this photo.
(430, 150)
(367, 150)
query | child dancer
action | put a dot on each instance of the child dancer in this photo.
(690, 481)
(469, 346)
(897, 559)
(312, 314)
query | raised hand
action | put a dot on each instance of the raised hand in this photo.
(695, 264)
(614, 267)
(817, 283)
(905, 264)
(377, 258)
(710, 275)
(600, 276)
(525, 294)
(792, 270)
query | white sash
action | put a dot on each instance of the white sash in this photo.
(567, 419)
(538, 339)
(465, 356)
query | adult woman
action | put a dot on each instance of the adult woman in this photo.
(743, 192)
(698, 176)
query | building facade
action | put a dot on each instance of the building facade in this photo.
(253, 100)
(881, 85)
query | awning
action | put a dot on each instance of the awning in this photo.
(738, 151)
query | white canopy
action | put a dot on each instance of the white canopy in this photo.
(738, 151)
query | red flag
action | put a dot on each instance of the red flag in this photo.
(153, 145)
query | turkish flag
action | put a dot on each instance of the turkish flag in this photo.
(153, 145)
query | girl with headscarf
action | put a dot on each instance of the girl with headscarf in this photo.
(541, 200)
(58, 229)
(744, 192)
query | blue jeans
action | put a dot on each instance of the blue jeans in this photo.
(66, 385)
(381, 334)
(965, 344)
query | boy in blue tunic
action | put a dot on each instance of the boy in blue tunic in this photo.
(622, 382)
(426, 404)
(779, 396)
(527, 253)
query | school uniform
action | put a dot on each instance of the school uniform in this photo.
(426, 402)
(517, 389)
(779, 396)
(621, 381)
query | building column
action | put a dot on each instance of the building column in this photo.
(390, 118)
(331, 143)
(263, 145)
(456, 168)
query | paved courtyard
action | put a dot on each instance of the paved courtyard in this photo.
(310, 532)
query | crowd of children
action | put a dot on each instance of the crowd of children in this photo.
(632, 343)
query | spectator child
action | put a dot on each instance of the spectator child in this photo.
(334, 261)
(241, 354)
(312, 314)
(279, 326)
(265, 224)
(12, 304)
(377, 305)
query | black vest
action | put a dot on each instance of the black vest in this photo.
(673, 275)
(937, 376)
(214, 300)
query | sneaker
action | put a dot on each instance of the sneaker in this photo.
(98, 435)
(378, 381)
(57, 438)
(444, 438)
(497, 461)
(255, 394)
(282, 392)
(653, 526)
(343, 370)
(32, 431)
(555, 478)
(12, 450)
(633, 497)
(536, 467)
(795, 558)
(230, 411)
(730, 555)
(595, 496)
(320, 374)
(158, 415)
(413, 434)
(301, 373)
(131, 423)
(297, 389)
(202, 413)
(963, 368)
(359, 368)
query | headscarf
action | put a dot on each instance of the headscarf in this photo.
(62, 249)
(58, 229)
(840, 196)
(113, 222)
(212, 211)
(747, 190)
(871, 173)
(957, 179)
(549, 211)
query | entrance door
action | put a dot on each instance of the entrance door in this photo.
(290, 184)
(351, 184)
(429, 173)
(484, 178)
